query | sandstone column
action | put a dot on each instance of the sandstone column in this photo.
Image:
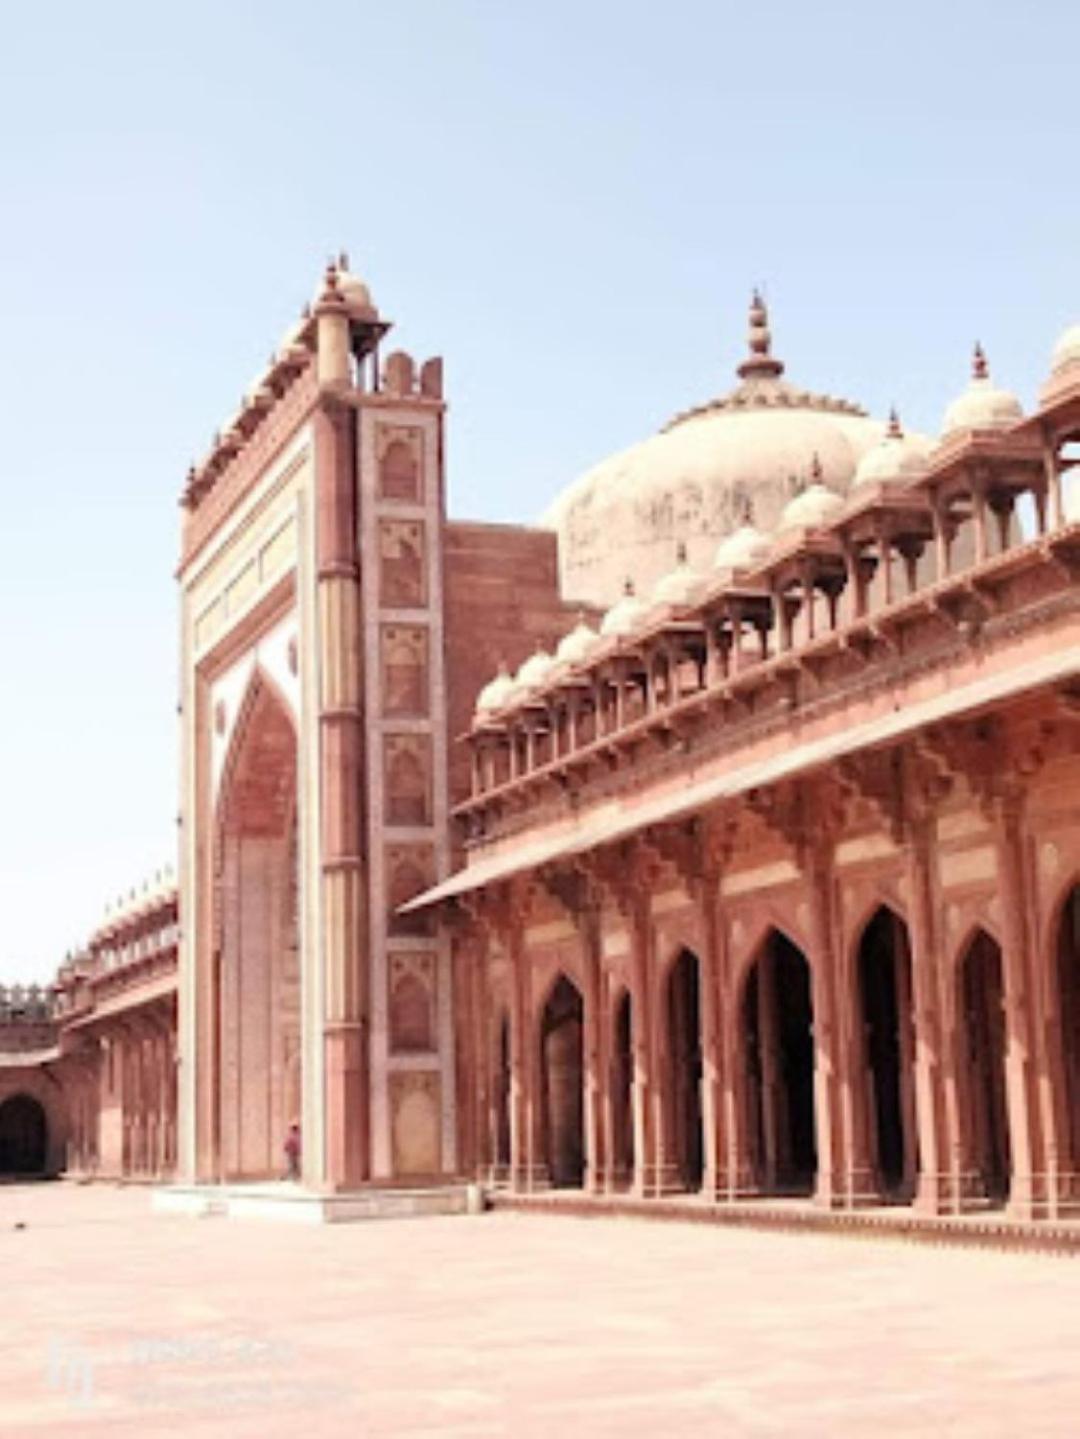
(341, 721)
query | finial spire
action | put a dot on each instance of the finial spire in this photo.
(895, 431)
(680, 553)
(817, 474)
(980, 370)
(760, 364)
(628, 586)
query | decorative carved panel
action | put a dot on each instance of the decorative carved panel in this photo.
(412, 1003)
(414, 1123)
(400, 455)
(405, 670)
(410, 869)
(407, 778)
(402, 564)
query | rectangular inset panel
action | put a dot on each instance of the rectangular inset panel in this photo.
(416, 1142)
(971, 866)
(399, 453)
(208, 623)
(407, 778)
(402, 564)
(405, 670)
(412, 1003)
(278, 551)
(243, 587)
(410, 869)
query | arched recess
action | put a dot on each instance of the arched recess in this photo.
(24, 1136)
(684, 1068)
(778, 1057)
(885, 1008)
(622, 1091)
(985, 1118)
(1068, 981)
(256, 958)
(562, 1076)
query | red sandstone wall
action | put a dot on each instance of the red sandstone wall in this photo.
(502, 599)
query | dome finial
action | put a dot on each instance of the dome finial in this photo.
(628, 586)
(895, 430)
(759, 364)
(680, 553)
(980, 370)
(817, 474)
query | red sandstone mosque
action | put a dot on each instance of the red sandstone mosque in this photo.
(719, 836)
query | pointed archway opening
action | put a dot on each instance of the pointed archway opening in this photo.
(24, 1136)
(501, 1156)
(1068, 979)
(562, 1076)
(622, 1093)
(982, 1006)
(884, 977)
(684, 1049)
(257, 968)
(778, 1049)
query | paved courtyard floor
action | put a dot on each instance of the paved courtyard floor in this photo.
(118, 1321)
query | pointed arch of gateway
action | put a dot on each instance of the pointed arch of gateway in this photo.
(982, 1091)
(883, 977)
(684, 1055)
(256, 951)
(562, 1083)
(777, 1042)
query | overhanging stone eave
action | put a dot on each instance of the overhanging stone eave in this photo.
(1045, 671)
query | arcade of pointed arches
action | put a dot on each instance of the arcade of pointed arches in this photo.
(734, 1107)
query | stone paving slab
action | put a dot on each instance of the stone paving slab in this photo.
(119, 1321)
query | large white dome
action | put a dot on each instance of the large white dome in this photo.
(694, 480)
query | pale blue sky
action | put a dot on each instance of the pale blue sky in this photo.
(569, 201)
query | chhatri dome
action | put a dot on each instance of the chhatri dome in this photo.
(694, 480)
(897, 458)
(983, 405)
(626, 615)
(812, 505)
(680, 586)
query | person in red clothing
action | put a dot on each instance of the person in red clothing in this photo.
(292, 1151)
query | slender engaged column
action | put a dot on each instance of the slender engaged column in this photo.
(932, 1184)
(345, 957)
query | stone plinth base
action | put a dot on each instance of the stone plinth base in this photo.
(292, 1204)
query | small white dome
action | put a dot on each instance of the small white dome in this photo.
(497, 693)
(897, 457)
(982, 406)
(744, 549)
(813, 507)
(535, 670)
(680, 586)
(625, 615)
(574, 648)
(353, 290)
(1067, 349)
